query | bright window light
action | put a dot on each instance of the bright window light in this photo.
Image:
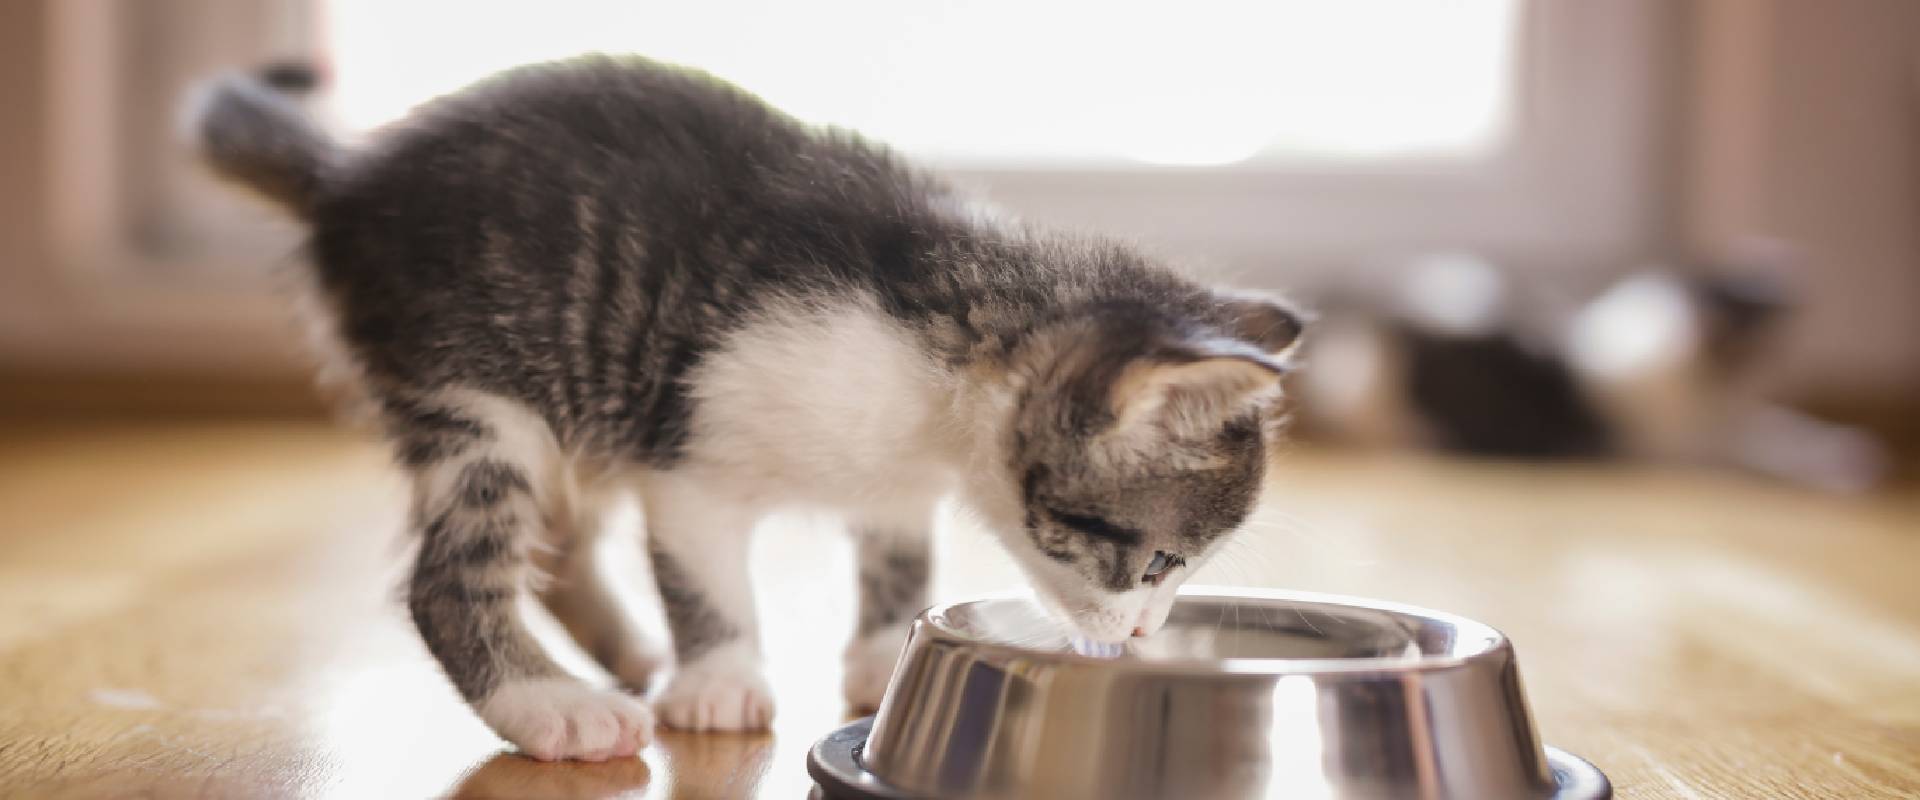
(1008, 82)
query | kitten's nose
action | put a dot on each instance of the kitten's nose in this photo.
(1139, 631)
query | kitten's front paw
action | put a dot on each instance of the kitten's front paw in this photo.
(559, 718)
(716, 695)
(869, 665)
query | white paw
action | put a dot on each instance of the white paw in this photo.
(559, 718)
(868, 666)
(716, 695)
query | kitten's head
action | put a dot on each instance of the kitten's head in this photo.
(1137, 445)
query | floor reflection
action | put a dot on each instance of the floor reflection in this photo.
(707, 765)
(513, 776)
(677, 765)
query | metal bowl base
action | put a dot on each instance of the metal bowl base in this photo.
(834, 763)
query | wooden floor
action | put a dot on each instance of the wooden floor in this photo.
(208, 610)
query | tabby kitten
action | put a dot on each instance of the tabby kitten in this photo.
(607, 274)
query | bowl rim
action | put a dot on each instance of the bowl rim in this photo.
(837, 768)
(1497, 645)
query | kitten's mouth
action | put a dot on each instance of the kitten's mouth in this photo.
(1072, 625)
(1099, 648)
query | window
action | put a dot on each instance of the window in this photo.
(1091, 83)
(1267, 140)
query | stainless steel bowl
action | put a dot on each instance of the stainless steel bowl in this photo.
(1243, 694)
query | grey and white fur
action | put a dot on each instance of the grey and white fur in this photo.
(606, 273)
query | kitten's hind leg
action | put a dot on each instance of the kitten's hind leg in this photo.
(893, 568)
(697, 541)
(579, 590)
(486, 476)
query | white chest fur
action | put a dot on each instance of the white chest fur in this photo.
(828, 403)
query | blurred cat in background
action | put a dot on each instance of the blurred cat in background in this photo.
(1659, 366)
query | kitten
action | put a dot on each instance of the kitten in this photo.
(607, 273)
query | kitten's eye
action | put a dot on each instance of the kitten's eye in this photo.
(1163, 562)
(1098, 528)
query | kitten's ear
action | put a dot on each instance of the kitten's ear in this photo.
(1267, 323)
(1194, 394)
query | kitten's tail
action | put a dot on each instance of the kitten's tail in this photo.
(250, 133)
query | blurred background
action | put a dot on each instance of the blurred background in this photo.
(1507, 160)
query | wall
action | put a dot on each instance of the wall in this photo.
(1806, 127)
(22, 169)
